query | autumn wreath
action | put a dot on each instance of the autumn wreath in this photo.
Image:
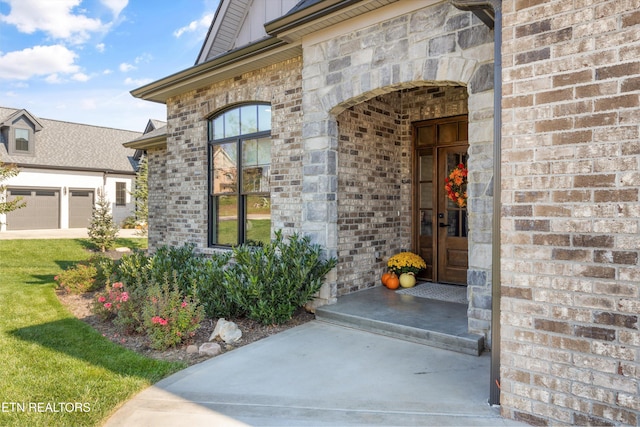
(456, 185)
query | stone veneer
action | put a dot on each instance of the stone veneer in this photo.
(570, 346)
(438, 46)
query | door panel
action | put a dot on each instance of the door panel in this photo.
(441, 225)
(80, 208)
(452, 222)
(41, 210)
(426, 213)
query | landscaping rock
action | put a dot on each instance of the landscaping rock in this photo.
(216, 330)
(123, 250)
(210, 349)
(227, 331)
(231, 334)
(191, 349)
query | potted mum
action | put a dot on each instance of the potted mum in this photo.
(406, 265)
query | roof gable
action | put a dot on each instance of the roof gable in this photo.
(14, 115)
(239, 23)
(155, 136)
(153, 124)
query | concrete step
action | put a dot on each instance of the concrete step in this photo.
(425, 321)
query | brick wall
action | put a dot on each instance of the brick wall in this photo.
(375, 172)
(185, 188)
(371, 192)
(570, 238)
(157, 204)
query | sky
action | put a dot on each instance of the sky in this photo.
(78, 60)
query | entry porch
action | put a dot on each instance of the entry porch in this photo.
(428, 321)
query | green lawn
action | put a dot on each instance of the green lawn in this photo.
(259, 230)
(56, 370)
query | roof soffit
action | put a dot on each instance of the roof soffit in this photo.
(319, 15)
(483, 9)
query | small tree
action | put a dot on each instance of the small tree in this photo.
(6, 172)
(102, 229)
(141, 193)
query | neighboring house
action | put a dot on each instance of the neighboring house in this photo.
(62, 167)
(367, 105)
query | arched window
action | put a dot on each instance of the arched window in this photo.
(239, 172)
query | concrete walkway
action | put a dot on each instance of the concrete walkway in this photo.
(319, 374)
(69, 233)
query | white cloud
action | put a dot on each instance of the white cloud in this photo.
(107, 72)
(136, 82)
(37, 61)
(80, 77)
(53, 79)
(145, 57)
(115, 6)
(52, 17)
(201, 25)
(124, 67)
(100, 47)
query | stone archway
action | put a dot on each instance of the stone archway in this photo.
(417, 53)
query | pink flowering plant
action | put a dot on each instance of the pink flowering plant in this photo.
(170, 318)
(109, 303)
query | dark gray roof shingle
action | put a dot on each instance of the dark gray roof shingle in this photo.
(76, 146)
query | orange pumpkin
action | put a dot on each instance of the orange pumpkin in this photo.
(385, 277)
(393, 282)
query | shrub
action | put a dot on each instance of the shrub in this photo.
(108, 304)
(208, 283)
(195, 275)
(132, 269)
(129, 223)
(77, 279)
(169, 317)
(104, 269)
(179, 262)
(270, 282)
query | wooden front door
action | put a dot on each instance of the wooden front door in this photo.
(440, 225)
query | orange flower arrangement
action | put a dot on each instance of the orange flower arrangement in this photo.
(456, 185)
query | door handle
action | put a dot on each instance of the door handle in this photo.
(442, 224)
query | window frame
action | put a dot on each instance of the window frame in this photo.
(13, 146)
(241, 195)
(121, 193)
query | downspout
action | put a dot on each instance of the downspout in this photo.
(494, 391)
(481, 9)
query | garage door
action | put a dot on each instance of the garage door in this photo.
(80, 208)
(42, 210)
